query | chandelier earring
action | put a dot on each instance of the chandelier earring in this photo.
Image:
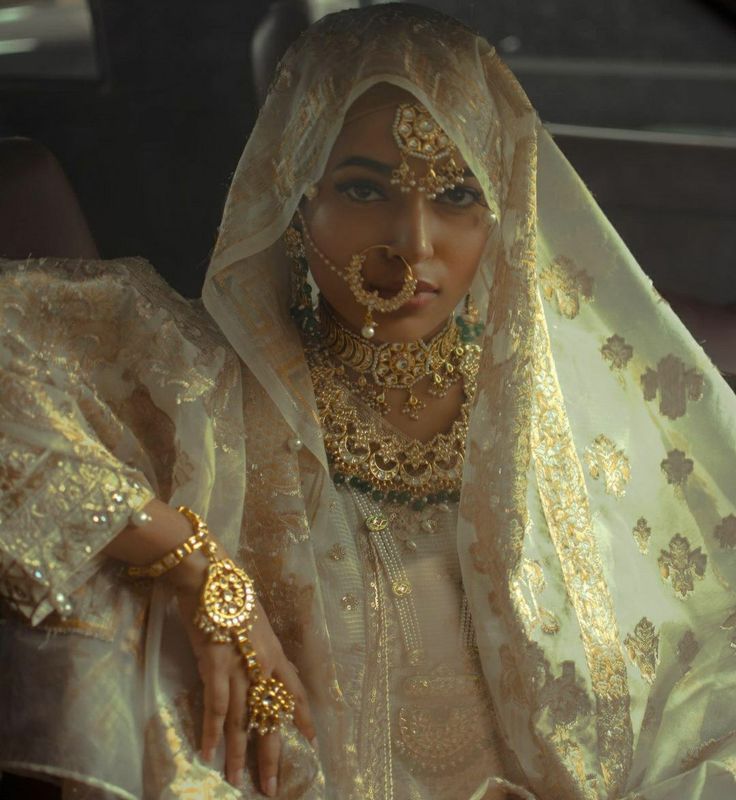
(302, 306)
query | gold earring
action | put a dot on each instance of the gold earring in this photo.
(302, 307)
(311, 191)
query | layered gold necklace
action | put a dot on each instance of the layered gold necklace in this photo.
(350, 378)
(395, 365)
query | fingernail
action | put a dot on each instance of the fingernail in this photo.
(206, 755)
(238, 778)
(271, 787)
(313, 742)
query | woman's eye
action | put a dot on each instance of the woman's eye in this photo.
(461, 197)
(361, 192)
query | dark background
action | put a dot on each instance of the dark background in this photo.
(640, 94)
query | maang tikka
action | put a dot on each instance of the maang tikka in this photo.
(419, 136)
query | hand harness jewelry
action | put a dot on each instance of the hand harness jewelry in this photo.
(226, 614)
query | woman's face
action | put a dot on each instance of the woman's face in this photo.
(356, 206)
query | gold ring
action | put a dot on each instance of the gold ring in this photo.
(270, 705)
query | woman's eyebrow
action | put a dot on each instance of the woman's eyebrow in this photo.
(380, 167)
(368, 163)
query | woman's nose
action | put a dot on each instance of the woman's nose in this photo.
(413, 230)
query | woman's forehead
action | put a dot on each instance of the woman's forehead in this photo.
(368, 126)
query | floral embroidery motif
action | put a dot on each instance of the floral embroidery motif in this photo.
(603, 458)
(526, 588)
(676, 385)
(725, 531)
(564, 286)
(677, 467)
(565, 697)
(337, 552)
(681, 565)
(642, 533)
(617, 352)
(643, 648)
(687, 648)
(729, 624)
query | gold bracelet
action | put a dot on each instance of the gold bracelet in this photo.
(199, 539)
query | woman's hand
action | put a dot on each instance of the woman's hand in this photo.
(226, 684)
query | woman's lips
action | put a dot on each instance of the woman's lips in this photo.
(422, 287)
(424, 293)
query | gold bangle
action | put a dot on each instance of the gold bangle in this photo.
(200, 539)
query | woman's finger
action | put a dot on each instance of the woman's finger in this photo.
(288, 674)
(236, 735)
(269, 750)
(216, 697)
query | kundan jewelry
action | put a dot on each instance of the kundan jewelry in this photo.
(395, 365)
(226, 613)
(418, 136)
(375, 459)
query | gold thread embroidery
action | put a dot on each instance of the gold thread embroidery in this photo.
(643, 648)
(725, 531)
(617, 352)
(565, 286)
(682, 566)
(603, 458)
(642, 533)
(676, 385)
(677, 468)
(337, 552)
(566, 508)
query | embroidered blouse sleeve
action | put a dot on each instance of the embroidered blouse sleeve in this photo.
(63, 494)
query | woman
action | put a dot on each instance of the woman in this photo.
(570, 491)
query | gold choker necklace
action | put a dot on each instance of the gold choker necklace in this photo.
(395, 365)
(373, 458)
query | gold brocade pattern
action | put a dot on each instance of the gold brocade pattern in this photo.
(604, 458)
(682, 565)
(567, 510)
(687, 648)
(643, 648)
(642, 533)
(677, 467)
(725, 532)
(565, 286)
(617, 352)
(675, 383)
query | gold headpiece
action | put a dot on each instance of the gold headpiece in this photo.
(418, 136)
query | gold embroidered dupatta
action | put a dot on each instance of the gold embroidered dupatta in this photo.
(596, 526)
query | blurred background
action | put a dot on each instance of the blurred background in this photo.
(146, 107)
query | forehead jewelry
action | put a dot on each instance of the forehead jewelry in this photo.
(418, 136)
(353, 276)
